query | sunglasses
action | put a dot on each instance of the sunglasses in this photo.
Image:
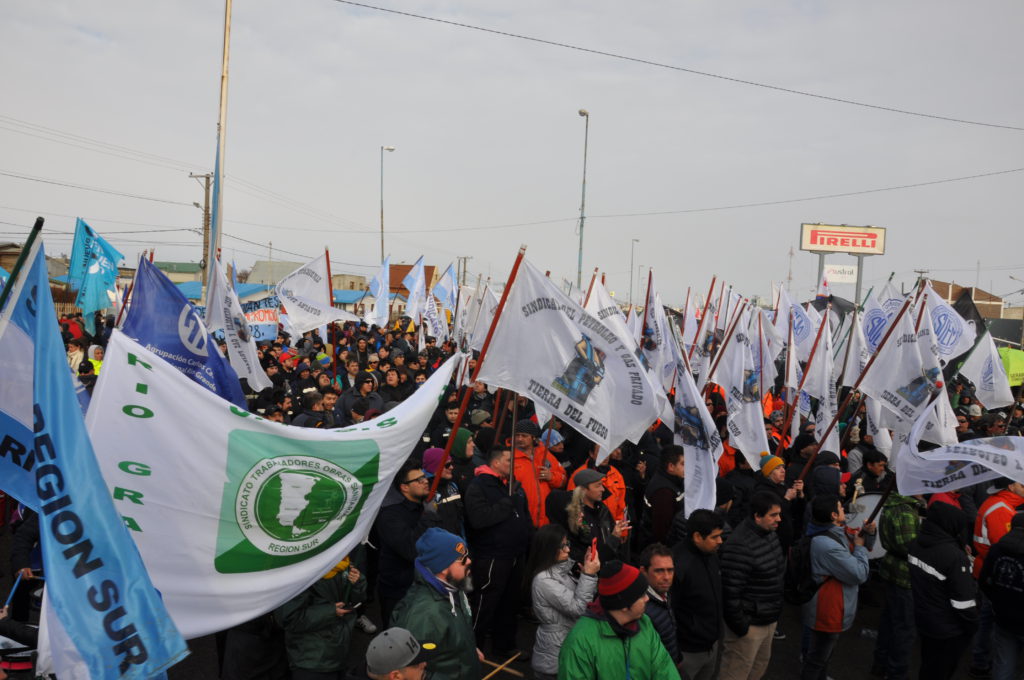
(421, 478)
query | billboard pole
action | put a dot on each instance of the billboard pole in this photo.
(860, 278)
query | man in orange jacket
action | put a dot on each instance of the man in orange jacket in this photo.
(535, 469)
(992, 523)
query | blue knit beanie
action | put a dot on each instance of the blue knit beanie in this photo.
(436, 549)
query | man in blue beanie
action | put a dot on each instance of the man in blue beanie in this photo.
(435, 607)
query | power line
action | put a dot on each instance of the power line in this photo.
(706, 74)
(83, 187)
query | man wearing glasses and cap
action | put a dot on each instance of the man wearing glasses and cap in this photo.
(396, 655)
(436, 608)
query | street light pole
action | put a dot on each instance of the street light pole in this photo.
(382, 150)
(631, 247)
(583, 200)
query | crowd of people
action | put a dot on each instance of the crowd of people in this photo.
(520, 544)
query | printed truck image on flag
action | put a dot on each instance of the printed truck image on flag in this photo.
(234, 514)
(584, 372)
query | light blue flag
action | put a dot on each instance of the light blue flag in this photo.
(4, 275)
(95, 579)
(447, 288)
(415, 282)
(93, 268)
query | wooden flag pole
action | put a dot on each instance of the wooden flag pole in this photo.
(590, 288)
(807, 369)
(856, 386)
(479, 363)
(332, 330)
(20, 262)
(647, 305)
(721, 349)
(703, 317)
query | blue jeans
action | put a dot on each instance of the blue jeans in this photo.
(1006, 647)
(895, 633)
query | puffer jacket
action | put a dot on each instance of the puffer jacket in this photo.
(659, 611)
(940, 576)
(559, 601)
(753, 568)
(433, 611)
(317, 638)
(839, 572)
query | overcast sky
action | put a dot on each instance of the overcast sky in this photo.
(487, 133)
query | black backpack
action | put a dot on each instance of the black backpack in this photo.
(800, 585)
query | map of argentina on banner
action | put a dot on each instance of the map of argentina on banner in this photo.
(234, 514)
(550, 349)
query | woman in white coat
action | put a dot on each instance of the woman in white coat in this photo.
(559, 599)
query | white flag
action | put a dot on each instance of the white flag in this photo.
(416, 283)
(380, 289)
(881, 439)
(953, 335)
(821, 385)
(954, 467)
(690, 323)
(879, 311)
(305, 293)
(224, 313)
(233, 514)
(658, 338)
(432, 317)
(634, 324)
(898, 378)
(695, 431)
(547, 347)
(985, 369)
(857, 355)
(484, 316)
(735, 373)
(941, 425)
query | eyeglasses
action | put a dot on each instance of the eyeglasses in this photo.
(421, 478)
(464, 560)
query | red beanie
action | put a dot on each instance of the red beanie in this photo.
(620, 585)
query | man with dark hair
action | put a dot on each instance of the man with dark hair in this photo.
(657, 566)
(499, 531)
(839, 573)
(399, 523)
(697, 594)
(536, 469)
(663, 497)
(312, 411)
(873, 474)
(365, 387)
(753, 567)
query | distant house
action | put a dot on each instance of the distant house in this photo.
(989, 306)
(180, 272)
(400, 271)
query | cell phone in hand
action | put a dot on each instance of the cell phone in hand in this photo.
(592, 553)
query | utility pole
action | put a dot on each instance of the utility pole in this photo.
(463, 268)
(208, 177)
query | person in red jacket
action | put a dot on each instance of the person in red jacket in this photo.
(535, 469)
(992, 523)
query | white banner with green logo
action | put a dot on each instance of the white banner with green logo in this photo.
(234, 514)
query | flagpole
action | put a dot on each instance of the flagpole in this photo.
(846, 357)
(856, 386)
(128, 294)
(807, 370)
(686, 308)
(760, 361)
(216, 213)
(332, 328)
(479, 363)
(32, 235)
(647, 306)
(703, 317)
(718, 309)
(590, 287)
(721, 349)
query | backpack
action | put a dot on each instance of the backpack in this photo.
(800, 585)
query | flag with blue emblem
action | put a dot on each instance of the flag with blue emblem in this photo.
(166, 323)
(92, 269)
(96, 583)
(446, 289)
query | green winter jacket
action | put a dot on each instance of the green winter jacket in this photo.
(315, 637)
(434, 613)
(593, 651)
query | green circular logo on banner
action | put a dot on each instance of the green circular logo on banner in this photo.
(290, 504)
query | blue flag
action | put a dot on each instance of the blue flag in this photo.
(95, 578)
(92, 269)
(4, 275)
(163, 320)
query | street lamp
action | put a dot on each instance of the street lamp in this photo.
(382, 150)
(583, 200)
(631, 247)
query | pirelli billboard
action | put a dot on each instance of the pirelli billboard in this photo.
(829, 238)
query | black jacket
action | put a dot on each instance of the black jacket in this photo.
(399, 524)
(753, 567)
(309, 418)
(1002, 579)
(497, 524)
(940, 576)
(663, 498)
(792, 511)
(663, 617)
(696, 598)
(743, 482)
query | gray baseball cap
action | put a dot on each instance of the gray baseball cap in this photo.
(395, 649)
